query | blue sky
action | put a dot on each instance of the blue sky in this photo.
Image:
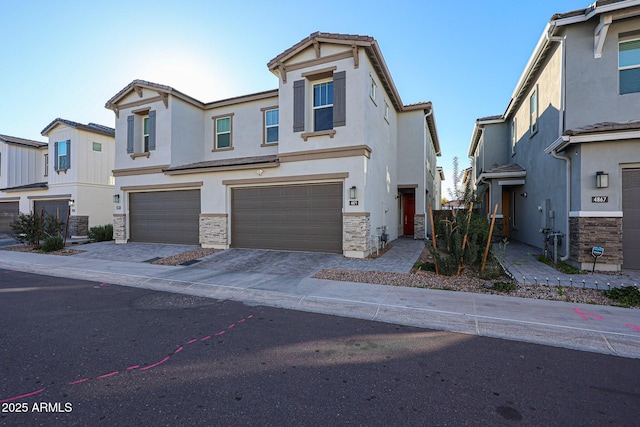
(66, 59)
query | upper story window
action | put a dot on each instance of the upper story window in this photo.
(323, 106)
(514, 135)
(222, 131)
(533, 111)
(386, 111)
(145, 133)
(372, 90)
(271, 124)
(62, 155)
(141, 133)
(629, 66)
(46, 165)
(320, 102)
(96, 146)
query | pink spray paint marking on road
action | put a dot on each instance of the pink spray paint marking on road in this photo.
(634, 327)
(33, 393)
(104, 284)
(130, 368)
(588, 316)
(109, 374)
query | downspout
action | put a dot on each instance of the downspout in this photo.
(561, 118)
(427, 225)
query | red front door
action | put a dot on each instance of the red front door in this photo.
(408, 211)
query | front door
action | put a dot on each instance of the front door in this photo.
(506, 212)
(408, 211)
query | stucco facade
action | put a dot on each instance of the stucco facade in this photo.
(376, 151)
(82, 187)
(567, 121)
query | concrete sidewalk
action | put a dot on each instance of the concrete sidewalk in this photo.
(268, 278)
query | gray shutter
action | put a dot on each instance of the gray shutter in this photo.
(68, 154)
(339, 99)
(152, 130)
(298, 106)
(55, 156)
(130, 134)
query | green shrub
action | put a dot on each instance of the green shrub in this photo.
(503, 287)
(628, 296)
(52, 243)
(31, 228)
(101, 233)
(450, 234)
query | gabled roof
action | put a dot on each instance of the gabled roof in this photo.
(368, 43)
(91, 127)
(164, 90)
(23, 142)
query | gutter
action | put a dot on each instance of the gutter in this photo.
(560, 142)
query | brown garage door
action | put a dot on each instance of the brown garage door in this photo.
(291, 217)
(631, 218)
(165, 217)
(9, 212)
(56, 208)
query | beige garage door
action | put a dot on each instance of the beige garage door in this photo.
(631, 218)
(165, 217)
(291, 217)
(8, 214)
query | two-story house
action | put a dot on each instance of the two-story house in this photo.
(325, 162)
(69, 177)
(564, 157)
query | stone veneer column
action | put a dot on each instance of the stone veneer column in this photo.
(120, 228)
(587, 232)
(356, 234)
(418, 226)
(214, 231)
(79, 225)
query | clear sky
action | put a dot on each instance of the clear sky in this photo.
(67, 58)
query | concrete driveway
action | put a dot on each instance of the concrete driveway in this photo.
(400, 258)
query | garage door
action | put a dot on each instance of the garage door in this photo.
(631, 218)
(56, 208)
(8, 214)
(165, 217)
(292, 217)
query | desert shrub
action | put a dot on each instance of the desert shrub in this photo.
(450, 236)
(31, 228)
(627, 296)
(101, 233)
(52, 243)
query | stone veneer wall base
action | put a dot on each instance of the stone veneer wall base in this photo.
(587, 232)
(79, 226)
(419, 226)
(120, 228)
(214, 231)
(356, 235)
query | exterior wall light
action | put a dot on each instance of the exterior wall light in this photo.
(352, 193)
(602, 179)
(116, 198)
(72, 202)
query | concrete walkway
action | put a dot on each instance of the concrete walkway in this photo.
(283, 279)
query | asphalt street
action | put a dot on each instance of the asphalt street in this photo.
(88, 353)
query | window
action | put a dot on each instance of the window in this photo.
(323, 106)
(145, 133)
(533, 111)
(97, 146)
(386, 111)
(222, 132)
(271, 122)
(514, 135)
(629, 66)
(141, 133)
(372, 91)
(46, 165)
(63, 155)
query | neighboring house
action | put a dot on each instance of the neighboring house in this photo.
(69, 175)
(319, 164)
(565, 155)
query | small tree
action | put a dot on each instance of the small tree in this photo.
(30, 229)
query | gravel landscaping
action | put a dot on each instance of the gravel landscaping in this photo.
(183, 257)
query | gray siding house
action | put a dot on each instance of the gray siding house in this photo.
(564, 157)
